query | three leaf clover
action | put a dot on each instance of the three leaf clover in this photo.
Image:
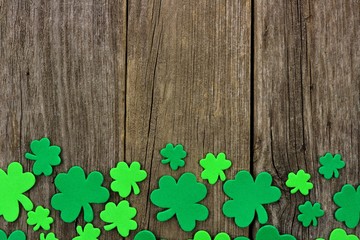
(214, 167)
(310, 213)
(120, 217)
(126, 178)
(299, 182)
(331, 165)
(40, 218)
(173, 155)
(78, 192)
(204, 235)
(50, 236)
(145, 235)
(12, 186)
(248, 196)
(181, 200)
(16, 235)
(88, 233)
(270, 232)
(348, 200)
(44, 155)
(340, 234)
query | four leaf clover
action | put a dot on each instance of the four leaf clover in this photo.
(173, 155)
(126, 178)
(214, 167)
(13, 185)
(45, 156)
(248, 196)
(331, 165)
(50, 236)
(299, 182)
(348, 200)
(88, 233)
(78, 192)
(181, 200)
(16, 235)
(40, 218)
(310, 213)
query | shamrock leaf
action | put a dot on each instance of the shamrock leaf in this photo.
(45, 156)
(50, 236)
(310, 213)
(214, 167)
(299, 182)
(330, 165)
(270, 232)
(348, 200)
(248, 196)
(120, 217)
(88, 233)
(173, 155)
(204, 235)
(126, 178)
(241, 238)
(181, 200)
(340, 234)
(40, 218)
(145, 235)
(78, 192)
(16, 235)
(12, 186)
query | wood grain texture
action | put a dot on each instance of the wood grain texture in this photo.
(306, 91)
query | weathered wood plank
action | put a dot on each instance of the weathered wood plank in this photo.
(306, 99)
(188, 82)
(62, 75)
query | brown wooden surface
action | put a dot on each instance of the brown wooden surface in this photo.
(274, 84)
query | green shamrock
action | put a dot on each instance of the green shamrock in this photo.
(12, 186)
(340, 234)
(248, 196)
(173, 155)
(270, 232)
(299, 182)
(181, 200)
(126, 178)
(241, 238)
(50, 236)
(331, 165)
(40, 218)
(78, 192)
(45, 156)
(214, 167)
(310, 213)
(88, 233)
(120, 217)
(204, 235)
(348, 200)
(145, 235)
(16, 235)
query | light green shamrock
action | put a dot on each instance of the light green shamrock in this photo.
(340, 234)
(214, 167)
(40, 218)
(204, 235)
(88, 233)
(50, 236)
(310, 213)
(299, 182)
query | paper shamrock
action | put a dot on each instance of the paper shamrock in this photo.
(299, 182)
(126, 178)
(331, 165)
(204, 235)
(78, 192)
(310, 213)
(145, 235)
(16, 235)
(13, 185)
(181, 200)
(49, 236)
(173, 155)
(88, 233)
(44, 155)
(348, 200)
(270, 232)
(340, 234)
(120, 217)
(248, 196)
(40, 218)
(214, 167)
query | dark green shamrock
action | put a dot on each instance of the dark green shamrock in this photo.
(310, 213)
(173, 155)
(88, 233)
(78, 192)
(16, 235)
(145, 235)
(331, 165)
(248, 196)
(181, 200)
(270, 232)
(348, 200)
(44, 155)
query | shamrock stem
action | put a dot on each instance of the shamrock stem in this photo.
(30, 156)
(222, 176)
(314, 222)
(136, 188)
(26, 202)
(294, 190)
(88, 213)
(262, 214)
(336, 173)
(165, 215)
(110, 226)
(37, 226)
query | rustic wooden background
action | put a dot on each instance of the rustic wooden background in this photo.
(275, 84)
